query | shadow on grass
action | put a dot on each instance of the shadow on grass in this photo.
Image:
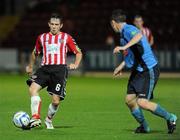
(56, 127)
(151, 132)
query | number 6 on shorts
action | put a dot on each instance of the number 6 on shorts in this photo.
(58, 87)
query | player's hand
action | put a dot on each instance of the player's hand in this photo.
(73, 66)
(118, 49)
(117, 72)
(29, 70)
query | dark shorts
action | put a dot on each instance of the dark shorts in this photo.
(143, 83)
(54, 77)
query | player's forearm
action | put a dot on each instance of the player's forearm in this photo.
(32, 59)
(122, 65)
(152, 41)
(118, 70)
(78, 59)
(133, 41)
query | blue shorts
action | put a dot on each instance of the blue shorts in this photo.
(143, 83)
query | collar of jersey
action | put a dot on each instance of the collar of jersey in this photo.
(123, 25)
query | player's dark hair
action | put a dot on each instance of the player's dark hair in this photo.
(118, 16)
(56, 15)
(138, 16)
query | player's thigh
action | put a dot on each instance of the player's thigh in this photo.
(139, 83)
(40, 77)
(148, 80)
(143, 83)
(57, 84)
(132, 84)
(130, 97)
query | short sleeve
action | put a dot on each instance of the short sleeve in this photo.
(130, 32)
(38, 46)
(72, 46)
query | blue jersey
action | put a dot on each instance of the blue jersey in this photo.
(139, 56)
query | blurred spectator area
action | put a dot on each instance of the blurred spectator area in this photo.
(88, 21)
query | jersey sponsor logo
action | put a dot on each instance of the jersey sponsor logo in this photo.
(52, 48)
(133, 32)
(61, 40)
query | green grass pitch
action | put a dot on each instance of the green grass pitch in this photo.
(94, 109)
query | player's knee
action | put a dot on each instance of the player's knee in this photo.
(55, 101)
(130, 102)
(143, 103)
(129, 99)
(33, 91)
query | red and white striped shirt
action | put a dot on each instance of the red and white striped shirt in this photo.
(147, 32)
(55, 47)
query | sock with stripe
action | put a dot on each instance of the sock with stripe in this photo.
(138, 115)
(52, 111)
(161, 112)
(35, 107)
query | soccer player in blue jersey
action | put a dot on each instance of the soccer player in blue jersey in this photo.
(139, 57)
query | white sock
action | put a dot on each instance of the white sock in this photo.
(35, 106)
(52, 111)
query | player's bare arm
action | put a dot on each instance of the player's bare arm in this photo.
(118, 70)
(29, 68)
(78, 58)
(133, 41)
(151, 40)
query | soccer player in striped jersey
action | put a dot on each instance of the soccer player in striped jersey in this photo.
(144, 73)
(139, 23)
(52, 74)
